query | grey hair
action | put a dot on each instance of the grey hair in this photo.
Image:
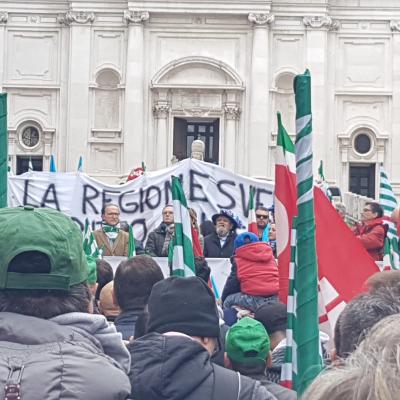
(361, 314)
(340, 207)
(370, 373)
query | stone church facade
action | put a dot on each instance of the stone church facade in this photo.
(121, 82)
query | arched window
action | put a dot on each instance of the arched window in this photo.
(284, 100)
(107, 100)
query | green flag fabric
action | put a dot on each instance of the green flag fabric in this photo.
(89, 242)
(306, 341)
(131, 243)
(181, 257)
(3, 150)
(388, 201)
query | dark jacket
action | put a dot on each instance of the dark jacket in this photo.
(125, 322)
(212, 246)
(155, 241)
(232, 284)
(179, 368)
(280, 392)
(58, 361)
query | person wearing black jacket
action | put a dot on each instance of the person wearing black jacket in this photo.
(158, 240)
(173, 360)
(219, 244)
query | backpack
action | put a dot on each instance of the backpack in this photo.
(59, 370)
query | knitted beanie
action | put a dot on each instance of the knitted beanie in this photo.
(185, 305)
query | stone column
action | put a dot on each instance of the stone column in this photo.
(133, 130)
(78, 88)
(317, 29)
(258, 135)
(392, 161)
(232, 114)
(3, 21)
(161, 112)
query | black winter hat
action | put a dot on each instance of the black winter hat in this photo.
(185, 305)
(273, 315)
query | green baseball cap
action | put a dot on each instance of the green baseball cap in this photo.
(47, 231)
(247, 342)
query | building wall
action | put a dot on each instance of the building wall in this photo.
(105, 79)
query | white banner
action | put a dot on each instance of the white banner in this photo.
(208, 188)
(220, 268)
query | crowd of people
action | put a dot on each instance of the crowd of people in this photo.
(69, 330)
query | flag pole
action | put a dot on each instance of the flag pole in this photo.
(306, 332)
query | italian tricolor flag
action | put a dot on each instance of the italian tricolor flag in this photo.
(285, 204)
(252, 223)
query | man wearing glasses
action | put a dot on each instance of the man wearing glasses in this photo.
(262, 219)
(371, 231)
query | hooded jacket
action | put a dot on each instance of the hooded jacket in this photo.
(372, 236)
(175, 367)
(57, 362)
(257, 270)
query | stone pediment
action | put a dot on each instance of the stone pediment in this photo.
(197, 72)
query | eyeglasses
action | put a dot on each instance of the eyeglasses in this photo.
(261, 216)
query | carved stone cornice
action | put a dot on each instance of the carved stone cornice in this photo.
(136, 17)
(261, 19)
(3, 17)
(161, 109)
(317, 22)
(232, 111)
(81, 17)
(395, 25)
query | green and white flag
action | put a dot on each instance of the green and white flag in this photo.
(89, 242)
(181, 257)
(289, 367)
(388, 201)
(131, 243)
(307, 362)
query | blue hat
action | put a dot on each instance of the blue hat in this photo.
(235, 221)
(245, 238)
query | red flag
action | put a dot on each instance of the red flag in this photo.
(285, 204)
(343, 263)
(197, 250)
(252, 222)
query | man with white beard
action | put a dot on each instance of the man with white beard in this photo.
(219, 244)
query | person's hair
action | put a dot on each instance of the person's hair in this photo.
(376, 208)
(371, 372)
(340, 207)
(383, 279)
(361, 313)
(248, 369)
(262, 208)
(207, 227)
(105, 274)
(141, 325)
(193, 218)
(167, 206)
(203, 271)
(133, 281)
(45, 303)
(104, 208)
(42, 303)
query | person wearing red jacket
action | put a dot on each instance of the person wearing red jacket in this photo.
(254, 276)
(371, 231)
